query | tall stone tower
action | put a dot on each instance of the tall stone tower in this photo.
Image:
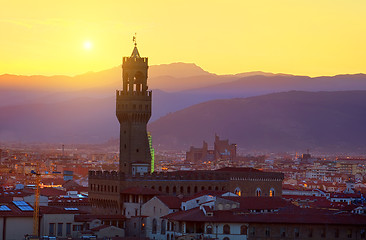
(133, 110)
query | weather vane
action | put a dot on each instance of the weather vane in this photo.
(134, 39)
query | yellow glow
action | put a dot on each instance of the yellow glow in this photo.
(88, 45)
(307, 37)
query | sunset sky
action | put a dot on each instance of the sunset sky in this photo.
(306, 37)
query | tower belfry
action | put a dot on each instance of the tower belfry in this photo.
(133, 110)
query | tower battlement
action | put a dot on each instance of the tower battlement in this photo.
(133, 61)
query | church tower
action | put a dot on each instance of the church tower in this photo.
(133, 110)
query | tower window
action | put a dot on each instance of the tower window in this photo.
(137, 150)
(125, 146)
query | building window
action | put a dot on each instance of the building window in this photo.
(174, 190)
(310, 234)
(243, 230)
(272, 192)
(363, 233)
(258, 192)
(336, 233)
(209, 229)
(226, 238)
(163, 227)
(167, 189)
(68, 229)
(322, 233)
(189, 190)
(77, 228)
(349, 233)
(283, 232)
(51, 230)
(268, 232)
(237, 191)
(181, 189)
(297, 232)
(59, 229)
(154, 226)
(252, 231)
(195, 189)
(226, 229)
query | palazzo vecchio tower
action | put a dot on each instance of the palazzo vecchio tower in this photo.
(133, 110)
(123, 191)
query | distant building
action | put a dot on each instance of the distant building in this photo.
(222, 151)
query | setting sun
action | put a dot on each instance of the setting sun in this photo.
(88, 45)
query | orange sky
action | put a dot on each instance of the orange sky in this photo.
(307, 37)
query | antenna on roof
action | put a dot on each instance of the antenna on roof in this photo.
(134, 40)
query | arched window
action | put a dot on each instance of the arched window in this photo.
(216, 188)
(258, 192)
(163, 227)
(209, 229)
(174, 190)
(272, 192)
(167, 189)
(226, 229)
(202, 188)
(243, 230)
(160, 188)
(154, 226)
(181, 189)
(195, 189)
(189, 190)
(237, 191)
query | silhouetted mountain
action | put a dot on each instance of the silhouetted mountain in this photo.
(293, 120)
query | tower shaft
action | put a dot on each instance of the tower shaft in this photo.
(133, 110)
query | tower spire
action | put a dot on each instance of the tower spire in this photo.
(135, 52)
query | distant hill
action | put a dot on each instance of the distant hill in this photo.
(84, 120)
(325, 121)
(26, 99)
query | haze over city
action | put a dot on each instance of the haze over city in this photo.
(183, 120)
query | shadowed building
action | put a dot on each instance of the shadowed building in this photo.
(107, 190)
(223, 151)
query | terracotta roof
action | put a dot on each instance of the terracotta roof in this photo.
(259, 203)
(172, 202)
(59, 210)
(203, 193)
(291, 215)
(52, 192)
(14, 211)
(91, 217)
